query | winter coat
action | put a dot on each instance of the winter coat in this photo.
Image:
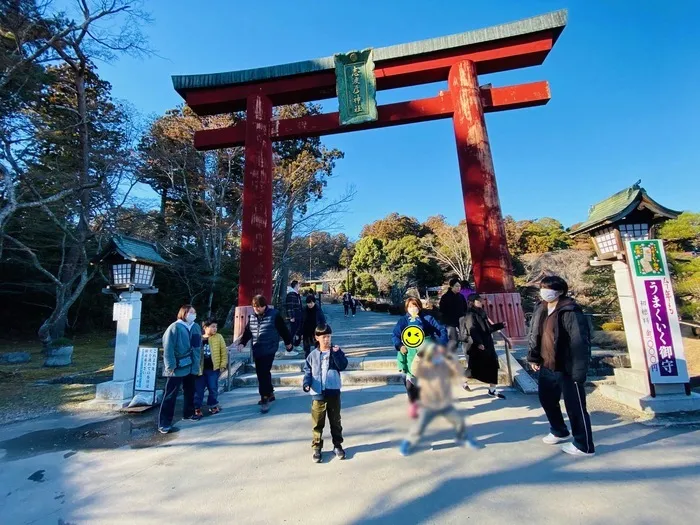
(322, 373)
(320, 320)
(431, 328)
(265, 331)
(219, 353)
(436, 381)
(572, 339)
(292, 305)
(476, 328)
(452, 308)
(182, 344)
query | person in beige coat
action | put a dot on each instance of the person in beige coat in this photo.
(437, 371)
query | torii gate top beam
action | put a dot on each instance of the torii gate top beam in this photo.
(498, 48)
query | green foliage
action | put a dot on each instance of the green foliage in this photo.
(366, 285)
(394, 227)
(686, 271)
(540, 236)
(369, 255)
(682, 233)
(611, 327)
(409, 263)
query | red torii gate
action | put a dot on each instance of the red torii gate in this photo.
(459, 59)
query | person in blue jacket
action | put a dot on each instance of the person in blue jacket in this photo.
(408, 336)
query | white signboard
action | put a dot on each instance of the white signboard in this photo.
(656, 308)
(146, 365)
(122, 311)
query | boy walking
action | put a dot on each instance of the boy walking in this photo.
(213, 363)
(322, 380)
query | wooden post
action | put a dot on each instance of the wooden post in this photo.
(493, 271)
(256, 236)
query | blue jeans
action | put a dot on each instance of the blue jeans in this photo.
(210, 380)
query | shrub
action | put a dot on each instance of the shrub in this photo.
(61, 342)
(396, 309)
(612, 327)
(382, 307)
(615, 340)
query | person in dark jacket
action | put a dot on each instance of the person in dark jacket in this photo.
(264, 329)
(476, 331)
(348, 301)
(452, 308)
(293, 309)
(182, 351)
(311, 319)
(560, 349)
(407, 345)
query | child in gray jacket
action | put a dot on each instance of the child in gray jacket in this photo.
(322, 380)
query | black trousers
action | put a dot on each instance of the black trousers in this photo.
(263, 367)
(309, 342)
(346, 307)
(413, 391)
(552, 385)
(172, 389)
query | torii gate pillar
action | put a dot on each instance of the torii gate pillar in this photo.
(493, 269)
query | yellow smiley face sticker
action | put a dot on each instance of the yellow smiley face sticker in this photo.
(412, 336)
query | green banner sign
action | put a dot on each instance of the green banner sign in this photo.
(356, 87)
(646, 258)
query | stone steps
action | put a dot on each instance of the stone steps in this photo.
(360, 371)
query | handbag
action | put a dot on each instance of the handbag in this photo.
(182, 362)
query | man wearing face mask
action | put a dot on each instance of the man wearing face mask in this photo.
(560, 349)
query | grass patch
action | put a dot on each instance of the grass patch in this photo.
(27, 389)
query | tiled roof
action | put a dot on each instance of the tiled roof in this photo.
(618, 205)
(555, 20)
(133, 250)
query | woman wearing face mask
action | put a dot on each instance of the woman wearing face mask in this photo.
(483, 360)
(560, 349)
(431, 329)
(182, 348)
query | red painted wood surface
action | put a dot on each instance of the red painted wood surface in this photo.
(507, 308)
(240, 321)
(493, 271)
(440, 107)
(525, 51)
(256, 236)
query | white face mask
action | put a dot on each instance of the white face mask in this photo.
(191, 317)
(549, 295)
(413, 311)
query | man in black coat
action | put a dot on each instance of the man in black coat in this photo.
(453, 306)
(560, 349)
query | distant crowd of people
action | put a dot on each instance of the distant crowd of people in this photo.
(427, 354)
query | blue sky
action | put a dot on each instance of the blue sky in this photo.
(624, 79)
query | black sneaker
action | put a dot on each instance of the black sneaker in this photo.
(265, 407)
(317, 455)
(339, 452)
(496, 394)
(271, 398)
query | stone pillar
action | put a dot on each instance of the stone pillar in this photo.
(118, 392)
(493, 269)
(632, 386)
(256, 236)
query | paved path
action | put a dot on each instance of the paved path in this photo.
(244, 468)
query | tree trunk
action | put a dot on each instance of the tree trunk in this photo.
(286, 241)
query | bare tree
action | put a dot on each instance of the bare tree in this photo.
(449, 246)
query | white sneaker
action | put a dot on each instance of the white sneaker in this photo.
(551, 439)
(571, 449)
(291, 353)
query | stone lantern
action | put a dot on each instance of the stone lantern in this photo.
(130, 265)
(631, 215)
